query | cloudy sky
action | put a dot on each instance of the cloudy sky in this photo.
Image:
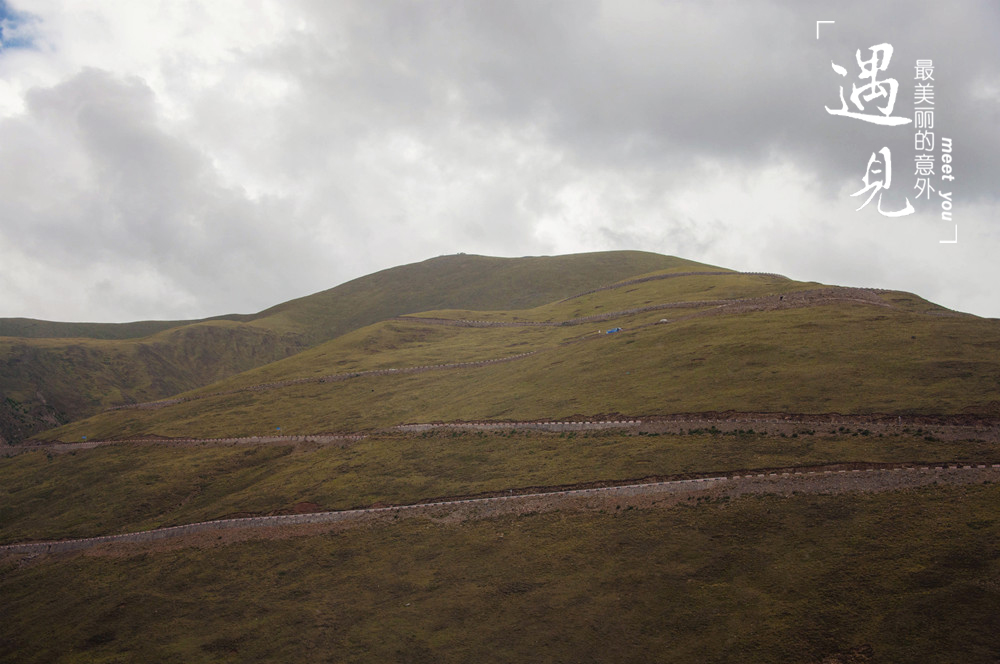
(180, 159)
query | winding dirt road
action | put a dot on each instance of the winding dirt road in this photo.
(817, 480)
(942, 427)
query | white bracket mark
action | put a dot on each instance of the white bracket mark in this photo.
(955, 241)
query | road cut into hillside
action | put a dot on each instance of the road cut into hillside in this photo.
(338, 440)
(944, 427)
(841, 478)
(940, 427)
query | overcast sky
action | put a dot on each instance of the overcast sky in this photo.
(181, 159)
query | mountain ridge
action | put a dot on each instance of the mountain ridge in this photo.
(705, 341)
(49, 379)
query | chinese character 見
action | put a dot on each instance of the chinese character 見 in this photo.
(878, 185)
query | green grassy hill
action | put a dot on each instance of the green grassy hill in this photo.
(858, 579)
(895, 575)
(52, 373)
(732, 342)
(461, 281)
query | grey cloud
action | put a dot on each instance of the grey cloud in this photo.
(656, 84)
(128, 194)
(381, 133)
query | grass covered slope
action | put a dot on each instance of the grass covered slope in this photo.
(889, 354)
(127, 487)
(462, 282)
(58, 372)
(898, 576)
(890, 577)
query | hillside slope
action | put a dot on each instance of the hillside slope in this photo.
(689, 344)
(460, 281)
(859, 549)
(52, 373)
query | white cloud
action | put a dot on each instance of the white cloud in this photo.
(228, 155)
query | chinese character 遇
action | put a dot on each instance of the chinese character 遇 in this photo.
(875, 89)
